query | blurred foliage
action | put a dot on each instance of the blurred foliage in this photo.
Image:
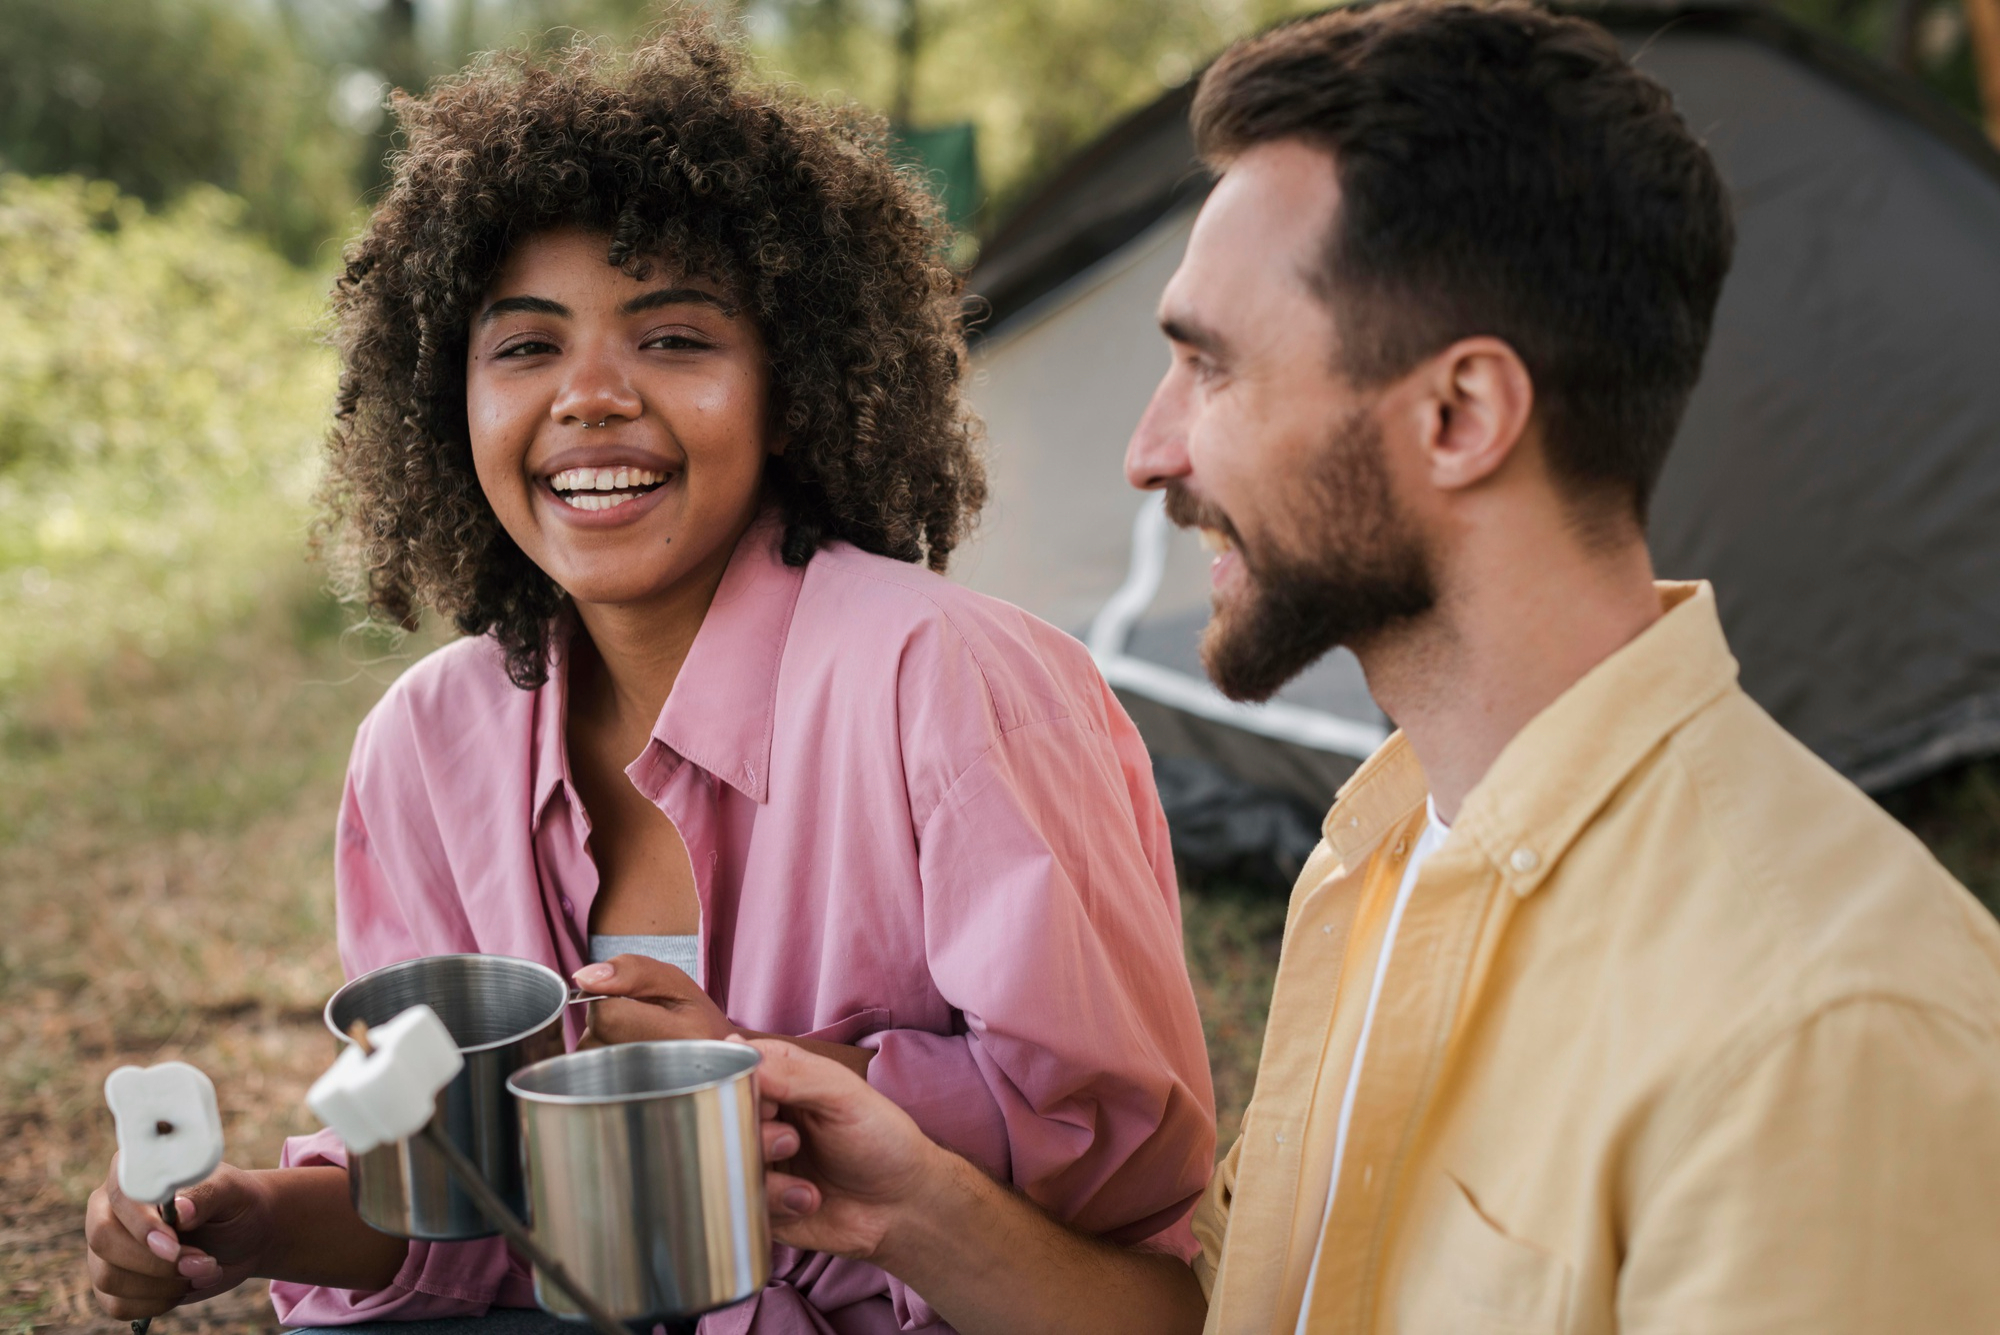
(161, 393)
(1038, 77)
(1925, 39)
(280, 101)
(159, 95)
(1957, 813)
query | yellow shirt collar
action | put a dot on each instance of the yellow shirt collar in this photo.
(1561, 768)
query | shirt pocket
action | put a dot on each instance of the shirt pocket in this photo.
(1470, 1274)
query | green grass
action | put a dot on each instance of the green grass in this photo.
(1957, 813)
(166, 880)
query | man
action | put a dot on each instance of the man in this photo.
(1604, 1005)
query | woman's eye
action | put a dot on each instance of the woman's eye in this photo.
(526, 348)
(678, 342)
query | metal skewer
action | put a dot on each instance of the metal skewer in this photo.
(469, 1180)
(172, 1215)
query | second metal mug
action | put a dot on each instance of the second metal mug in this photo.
(646, 1174)
(505, 1014)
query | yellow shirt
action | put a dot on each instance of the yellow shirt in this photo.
(1681, 1033)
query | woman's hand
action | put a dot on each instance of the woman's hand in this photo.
(141, 1268)
(646, 999)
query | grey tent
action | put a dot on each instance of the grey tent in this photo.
(1838, 475)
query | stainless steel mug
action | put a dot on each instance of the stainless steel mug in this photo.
(646, 1176)
(504, 1013)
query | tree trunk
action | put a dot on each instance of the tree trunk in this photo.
(909, 41)
(1982, 17)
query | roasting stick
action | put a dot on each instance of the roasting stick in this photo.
(169, 1136)
(473, 1184)
(171, 1213)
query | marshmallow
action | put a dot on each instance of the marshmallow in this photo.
(169, 1130)
(371, 1098)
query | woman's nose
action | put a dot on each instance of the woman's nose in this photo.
(596, 391)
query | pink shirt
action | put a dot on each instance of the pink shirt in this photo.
(918, 820)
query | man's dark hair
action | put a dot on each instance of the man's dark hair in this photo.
(1503, 172)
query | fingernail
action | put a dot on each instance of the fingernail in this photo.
(786, 1146)
(798, 1200)
(590, 975)
(163, 1245)
(200, 1269)
(183, 1208)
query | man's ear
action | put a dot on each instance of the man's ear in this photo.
(1481, 399)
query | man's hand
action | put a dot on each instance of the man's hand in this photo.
(647, 999)
(861, 1161)
(140, 1268)
(848, 1172)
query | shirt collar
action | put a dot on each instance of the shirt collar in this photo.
(724, 702)
(551, 710)
(1552, 778)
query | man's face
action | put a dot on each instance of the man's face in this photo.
(1265, 445)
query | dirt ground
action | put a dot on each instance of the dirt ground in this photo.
(166, 892)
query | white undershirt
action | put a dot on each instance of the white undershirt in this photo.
(1428, 842)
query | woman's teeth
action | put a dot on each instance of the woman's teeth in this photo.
(605, 479)
(603, 488)
(592, 501)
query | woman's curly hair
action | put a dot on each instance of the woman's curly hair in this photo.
(675, 155)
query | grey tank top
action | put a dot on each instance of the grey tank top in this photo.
(683, 952)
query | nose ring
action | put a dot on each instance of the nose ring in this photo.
(588, 425)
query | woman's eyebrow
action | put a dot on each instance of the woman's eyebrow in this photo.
(676, 296)
(529, 305)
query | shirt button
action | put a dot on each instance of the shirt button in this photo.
(1524, 860)
(1402, 847)
(567, 906)
(1327, 930)
(1281, 1137)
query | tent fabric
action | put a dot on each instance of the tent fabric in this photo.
(1837, 476)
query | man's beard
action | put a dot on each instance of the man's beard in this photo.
(1368, 570)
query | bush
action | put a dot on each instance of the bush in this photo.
(161, 396)
(159, 95)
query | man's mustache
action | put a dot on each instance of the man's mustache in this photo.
(1188, 510)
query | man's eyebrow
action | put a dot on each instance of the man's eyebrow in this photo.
(676, 296)
(1197, 336)
(529, 305)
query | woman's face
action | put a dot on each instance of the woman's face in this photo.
(618, 427)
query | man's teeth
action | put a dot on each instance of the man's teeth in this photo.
(1215, 540)
(605, 479)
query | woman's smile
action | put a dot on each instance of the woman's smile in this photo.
(604, 487)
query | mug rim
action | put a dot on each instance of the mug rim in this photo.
(415, 961)
(734, 1050)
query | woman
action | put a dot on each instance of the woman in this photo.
(651, 384)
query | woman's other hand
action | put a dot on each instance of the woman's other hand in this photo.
(647, 999)
(140, 1268)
